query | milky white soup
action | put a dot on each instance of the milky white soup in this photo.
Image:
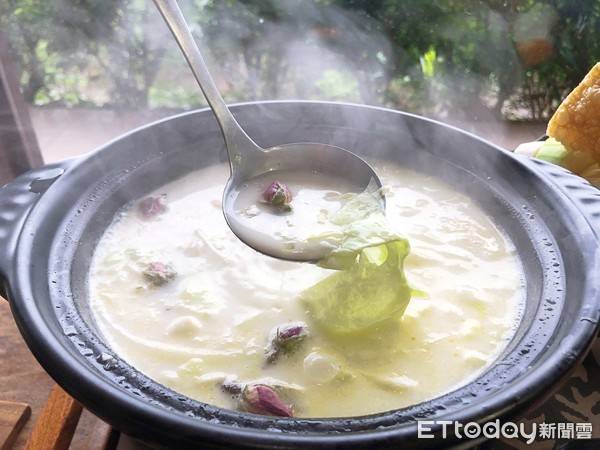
(212, 322)
(276, 231)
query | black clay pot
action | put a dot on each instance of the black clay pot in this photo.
(51, 219)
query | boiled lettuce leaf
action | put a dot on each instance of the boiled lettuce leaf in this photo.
(360, 206)
(369, 287)
(360, 223)
(372, 292)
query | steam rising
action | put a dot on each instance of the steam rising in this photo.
(307, 50)
(125, 57)
(301, 54)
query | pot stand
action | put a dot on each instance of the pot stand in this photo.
(58, 422)
(13, 416)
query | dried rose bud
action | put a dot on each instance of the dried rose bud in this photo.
(279, 195)
(262, 399)
(159, 274)
(152, 206)
(287, 339)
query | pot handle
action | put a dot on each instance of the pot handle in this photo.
(17, 198)
(584, 196)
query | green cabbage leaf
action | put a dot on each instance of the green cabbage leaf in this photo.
(370, 287)
(372, 292)
(360, 223)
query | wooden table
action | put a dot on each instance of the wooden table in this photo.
(25, 382)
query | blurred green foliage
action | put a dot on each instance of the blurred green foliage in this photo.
(514, 59)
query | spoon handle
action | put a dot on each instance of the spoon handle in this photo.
(235, 137)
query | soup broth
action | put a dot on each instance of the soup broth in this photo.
(316, 198)
(210, 323)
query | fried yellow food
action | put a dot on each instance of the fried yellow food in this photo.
(576, 122)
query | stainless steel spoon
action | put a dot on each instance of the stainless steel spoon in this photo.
(247, 160)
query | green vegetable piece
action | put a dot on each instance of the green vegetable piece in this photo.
(362, 224)
(360, 206)
(552, 151)
(372, 292)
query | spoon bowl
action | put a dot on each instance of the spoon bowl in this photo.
(305, 161)
(249, 162)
